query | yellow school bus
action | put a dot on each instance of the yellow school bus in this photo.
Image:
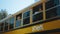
(42, 17)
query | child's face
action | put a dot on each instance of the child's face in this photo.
(18, 17)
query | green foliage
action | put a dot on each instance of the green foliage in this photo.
(3, 14)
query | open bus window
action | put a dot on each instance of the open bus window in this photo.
(11, 23)
(37, 13)
(51, 3)
(26, 18)
(37, 9)
(18, 20)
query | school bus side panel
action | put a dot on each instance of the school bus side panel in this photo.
(46, 26)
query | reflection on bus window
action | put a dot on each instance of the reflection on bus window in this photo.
(51, 13)
(52, 3)
(26, 21)
(26, 14)
(11, 21)
(58, 11)
(26, 18)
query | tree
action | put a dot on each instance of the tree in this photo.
(3, 14)
(0, 16)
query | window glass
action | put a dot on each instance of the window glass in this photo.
(56, 2)
(18, 23)
(1, 28)
(1, 25)
(51, 3)
(11, 20)
(37, 13)
(6, 25)
(58, 11)
(6, 28)
(26, 14)
(26, 18)
(37, 9)
(37, 17)
(18, 20)
(53, 12)
(59, 2)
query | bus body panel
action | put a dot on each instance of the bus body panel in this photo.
(43, 27)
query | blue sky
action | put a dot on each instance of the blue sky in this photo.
(12, 6)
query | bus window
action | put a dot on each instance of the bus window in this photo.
(26, 21)
(53, 12)
(5, 28)
(38, 17)
(51, 3)
(11, 23)
(6, 25)
(58, 11)
(37, 13)
(26, 18)
(1, 25)
(37, 9)
(26, 14)
(18, 20)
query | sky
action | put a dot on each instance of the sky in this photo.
(13, 6)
